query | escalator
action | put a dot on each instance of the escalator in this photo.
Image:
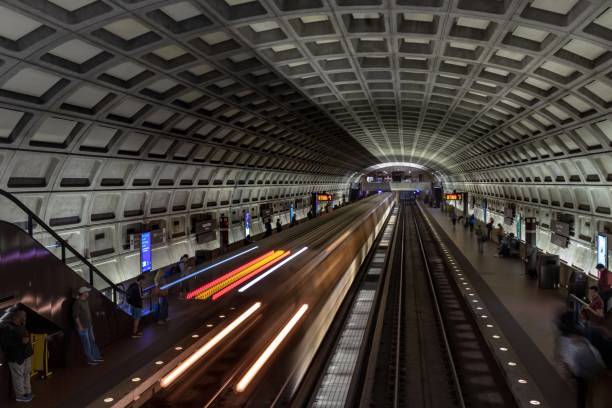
(45, 285)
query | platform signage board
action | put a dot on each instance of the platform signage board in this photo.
(602, 249)
(146, 263)
(453, 196)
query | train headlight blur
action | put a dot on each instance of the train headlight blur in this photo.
(202, 351)
(261, 360)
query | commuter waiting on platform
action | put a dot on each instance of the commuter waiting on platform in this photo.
(604, 278)
(268, 226)
(279, 226)
(17, 349)
(499, 233)
(490, 228)
(453, 218)
(134, 299)
(184, 269)
(162, 300)
(472, 222)
(594, 312)
(82, 318)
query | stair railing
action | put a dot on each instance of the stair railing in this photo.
(64, 245)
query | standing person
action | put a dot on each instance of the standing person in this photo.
(279, 226)
(184, 270)
(603, 281)
(82, 318)
(268, 227)
(453, 218)
(17, 348)
(499, 232)
(472, 222)
(489, 228)
(594, 312)
(162, 301)
(134, 299)
(480, 238)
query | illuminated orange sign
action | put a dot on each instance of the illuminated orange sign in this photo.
(324, 197)
(453, 196)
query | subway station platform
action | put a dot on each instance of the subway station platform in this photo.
(524, 312)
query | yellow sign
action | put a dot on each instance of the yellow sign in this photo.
(324, 197)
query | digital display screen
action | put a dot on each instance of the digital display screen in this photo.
(602, 250)
(146, 263)
(453, 196)
(324, 197)
(247, 223)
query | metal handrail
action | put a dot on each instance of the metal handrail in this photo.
(32, 217)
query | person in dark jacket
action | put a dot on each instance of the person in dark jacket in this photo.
(279, 226)
(268, 226)
(17, 348)
(134, 299)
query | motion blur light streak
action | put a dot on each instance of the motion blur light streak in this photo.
(262, 263)
(262, 276)
(212, 283)
(192, 359)
(199, 271)
(249, 276)
(254, 369)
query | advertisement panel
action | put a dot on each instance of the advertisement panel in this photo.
(602, 249)
(146, 263)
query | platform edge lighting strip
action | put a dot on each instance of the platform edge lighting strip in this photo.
(261, 265)
(249, 276)
(168, 379)
(259, 363)
(191, 275)
(212, 283)
(264, 275)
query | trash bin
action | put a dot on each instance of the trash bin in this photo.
(549, 270)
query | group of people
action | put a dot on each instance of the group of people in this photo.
(15, 340)
(268, 225)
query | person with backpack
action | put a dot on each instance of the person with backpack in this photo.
(134, 299)
(17, 347)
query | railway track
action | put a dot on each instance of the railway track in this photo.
(431, 352)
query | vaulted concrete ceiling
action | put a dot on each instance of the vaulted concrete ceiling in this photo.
(330, 86)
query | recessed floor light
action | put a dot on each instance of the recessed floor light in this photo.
(179, 348)
(109, 399)
(159, 362)
(136, 379)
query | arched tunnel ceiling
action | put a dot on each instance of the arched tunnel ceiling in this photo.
(328, 86)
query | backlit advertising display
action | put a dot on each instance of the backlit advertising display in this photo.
(602, 249)
(146, 263)
(247, 224)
